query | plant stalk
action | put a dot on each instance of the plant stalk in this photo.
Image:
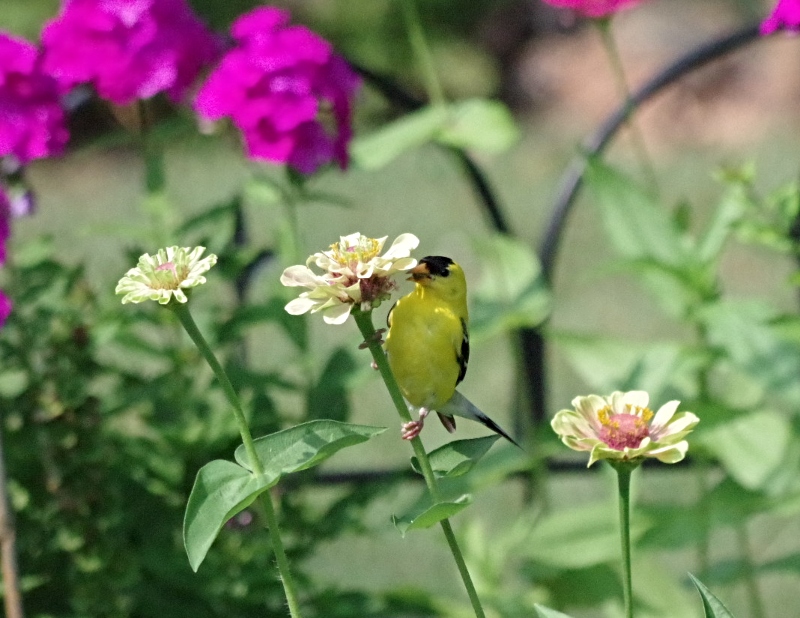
(364, 322)
(751, 578)
(185, 317)
(617, 68)
(12, 591)
(624, 471)
(422, 52)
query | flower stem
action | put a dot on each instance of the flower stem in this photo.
(185, 317)
(12, 589)
(422, 52)
(364, 323)
(751, 578)
(610, 45)
(624, 471)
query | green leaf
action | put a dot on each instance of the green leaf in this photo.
(479, 124)
(634, 223)
(305, 446)
(744, 331)
(328, 398)
(728, 213)
(457, 457)
(546, 612)
(221, 490)
(712, 606)
(13, 382)
(513, 293)
(379, 148)
(751, 447)
(431, 515)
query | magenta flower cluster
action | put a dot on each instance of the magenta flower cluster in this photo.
(595, 8)
(785, 16)
(32, 121)
(128, 49)
(285, 89)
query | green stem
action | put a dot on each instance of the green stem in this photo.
(610, 45)
(751, 579)
(185, 317)
(624, 471)
(422, 53)
(364, 322)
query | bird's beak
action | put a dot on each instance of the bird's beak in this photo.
(420, 274)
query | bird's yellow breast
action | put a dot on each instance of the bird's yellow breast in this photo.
(423, 346)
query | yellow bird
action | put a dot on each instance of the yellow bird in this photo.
(428, 345)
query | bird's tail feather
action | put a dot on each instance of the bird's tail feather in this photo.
(458, 405)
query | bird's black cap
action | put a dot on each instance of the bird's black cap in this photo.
(438, 265)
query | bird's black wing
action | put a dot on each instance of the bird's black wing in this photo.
(463, 355)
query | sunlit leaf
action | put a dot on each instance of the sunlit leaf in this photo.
(380, 147)
(546, 612)
(751, 447)
(221, 490)
(457, 457)
(712, 606)
(431, 515)
(304, 446)
(479, 124)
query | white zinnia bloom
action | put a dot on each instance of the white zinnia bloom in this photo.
(353, 272)
(622, 427)
(165, 275)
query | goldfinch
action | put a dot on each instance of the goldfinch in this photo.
(428, 345)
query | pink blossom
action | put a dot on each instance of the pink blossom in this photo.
(32, 121)
(128, 49)
(595, 8)
(285, 89)
(5, 308)
(786, 15)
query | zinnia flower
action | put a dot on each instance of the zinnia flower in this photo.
(353, 274)
(165, 276)
(786, 15)
(285, 89)
(622, 427)
(594, 8)
(128, 49)
(32, 121)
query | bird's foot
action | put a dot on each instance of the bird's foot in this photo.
(412, 429)
(378, 336)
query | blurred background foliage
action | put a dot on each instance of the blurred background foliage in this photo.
(108, 411)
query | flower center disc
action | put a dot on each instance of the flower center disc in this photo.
(623, 430)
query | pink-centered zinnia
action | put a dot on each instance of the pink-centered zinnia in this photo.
(285, 89)
(785, 16)
(595, 8)
(623, 427)
(128, 49)
(32, 120)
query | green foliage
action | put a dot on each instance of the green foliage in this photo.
(457, 457)
(431, 514)
(477, 124)
(712, 606)
(544, 612)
